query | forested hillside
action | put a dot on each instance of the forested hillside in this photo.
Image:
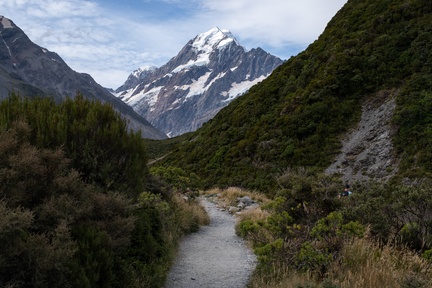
(78, 206)
(297, 115)
(280, 137)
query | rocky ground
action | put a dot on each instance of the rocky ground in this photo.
(367, 150)
(214, 256)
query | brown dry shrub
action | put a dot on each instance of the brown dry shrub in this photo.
(190, 214)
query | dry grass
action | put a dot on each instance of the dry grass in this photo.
(228, 197)
(364, 264)
(190, 214)
(282, 277)
(253, 215)
(361, 264)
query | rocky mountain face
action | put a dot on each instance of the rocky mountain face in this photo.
(31, 70)
(206, 75)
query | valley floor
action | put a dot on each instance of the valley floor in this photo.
(214, 256)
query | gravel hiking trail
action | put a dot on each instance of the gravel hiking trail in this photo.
(213, 257)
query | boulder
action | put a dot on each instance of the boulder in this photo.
(246, 200)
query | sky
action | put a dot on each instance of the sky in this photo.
(110, 39)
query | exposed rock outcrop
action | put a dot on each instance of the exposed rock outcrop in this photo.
(367, 151)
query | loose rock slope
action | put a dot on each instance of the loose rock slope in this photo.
(367, 151)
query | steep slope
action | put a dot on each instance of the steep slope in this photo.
(31, 70)
(299, 115)
(207, 74)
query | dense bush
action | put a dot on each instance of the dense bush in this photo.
(177, 178)
(302, 230)
(309, 230)
(395, 213)
(72, 210)
(91, 134)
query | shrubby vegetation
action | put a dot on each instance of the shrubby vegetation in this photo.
(90, 133)
(78, 206)
(379, 236)
(178, 179)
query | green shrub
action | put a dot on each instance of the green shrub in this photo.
(311, 258)
(91, 134)
(70, 215)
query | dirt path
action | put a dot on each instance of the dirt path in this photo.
(212, 257)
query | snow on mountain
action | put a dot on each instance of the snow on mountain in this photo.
(206, 75)
(240, 88)
(205, 44)
(142, 70)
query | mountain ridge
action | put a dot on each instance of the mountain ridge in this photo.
(31, 70)
(206, 75)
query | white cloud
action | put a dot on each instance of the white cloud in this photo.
(111, 44)
(274, 22)
(49, 8)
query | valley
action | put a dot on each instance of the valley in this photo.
(94, 195)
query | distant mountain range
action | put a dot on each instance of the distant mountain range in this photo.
(31, 70)
(206, 75)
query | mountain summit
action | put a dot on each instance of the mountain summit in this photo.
(206, 75)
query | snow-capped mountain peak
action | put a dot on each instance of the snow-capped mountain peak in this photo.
(204, 45)
(137, 77)
(143, 69)
(209, 72)
(213, 39)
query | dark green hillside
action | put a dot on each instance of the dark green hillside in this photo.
(296, 116)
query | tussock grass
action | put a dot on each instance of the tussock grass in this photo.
(364, 264)
(253, 215)
(228, 197)
(189, 214)
(361, 264)
(282, 277)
